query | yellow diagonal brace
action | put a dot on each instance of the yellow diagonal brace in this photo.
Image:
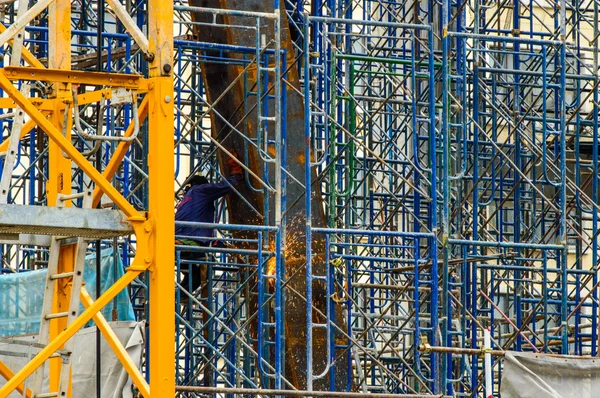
(64, 144)
(66, 334)
(8, 374)
(117, 347)
(119, 153)
(82, 99)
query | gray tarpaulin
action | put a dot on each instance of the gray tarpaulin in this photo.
(529, 375)
(115, 381)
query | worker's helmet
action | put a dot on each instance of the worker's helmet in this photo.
(197, 179)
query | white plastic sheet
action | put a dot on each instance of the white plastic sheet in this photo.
(530, 375)
(115, 380)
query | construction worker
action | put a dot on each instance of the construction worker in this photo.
(198, 205)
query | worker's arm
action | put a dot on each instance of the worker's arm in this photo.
(219, 189)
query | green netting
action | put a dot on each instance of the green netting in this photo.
(22, 295)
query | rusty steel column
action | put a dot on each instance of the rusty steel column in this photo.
(218, 77)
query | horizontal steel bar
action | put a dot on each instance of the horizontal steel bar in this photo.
(228, 227)
(106, 35)
(236, 13)
(375, 233)
(368, 23)
(297, 393)
(204, 249)
(201, 45)
(131, 81)
(519, 245)
(14, 354)
(504, 39)
(57, 315)
(460, 350)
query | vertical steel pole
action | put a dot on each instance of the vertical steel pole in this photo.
(97, 243)
(475, 204)
(518, 160)
(307, 198)
(563, 238)
(446, 6)
(161, 199)
(59, 180)
(594, 343)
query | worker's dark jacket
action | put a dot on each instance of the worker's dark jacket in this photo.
(198, 205)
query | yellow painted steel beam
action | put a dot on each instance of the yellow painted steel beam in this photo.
(160, 37)
(6, 103)
(65, 145)
(93, 96)
(59, 35)
(96, 96)
(62, 294)
(25, 53)
(8, 374)
(59, 171)
(117, 347)
(135, 82)
(46, 106)
(120, 151)
(86, 98)
(161, 194)
(162, 198)
(70, 330)
(41, 103)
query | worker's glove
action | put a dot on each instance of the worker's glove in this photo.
(337, 262)
(234, 167)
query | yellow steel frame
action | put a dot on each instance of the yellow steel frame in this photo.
(150, 228)
(75, 77)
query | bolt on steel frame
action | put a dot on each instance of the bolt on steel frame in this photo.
(455, 147)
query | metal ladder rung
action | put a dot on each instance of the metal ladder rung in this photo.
(62, 276)
(266, 69)
(57, 315)
(46, 395)
(268, 118)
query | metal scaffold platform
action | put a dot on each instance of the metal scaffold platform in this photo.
(419, 192)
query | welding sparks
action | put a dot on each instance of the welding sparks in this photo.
(292, 252)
